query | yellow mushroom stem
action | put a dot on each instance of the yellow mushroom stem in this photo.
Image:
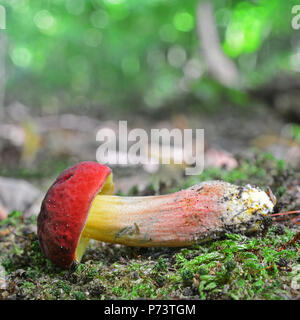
(179, 219)
(141, 221)
(137, 221)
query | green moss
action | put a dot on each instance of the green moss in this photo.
(237, 267)
(64, 286)
(145, 290)
(28, 285)
(161, 265)
(240, 267)
(13, 219)
(79, 295)
(187, 275)
(134, 266)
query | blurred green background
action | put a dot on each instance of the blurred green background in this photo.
(71, 67)
(139, 54)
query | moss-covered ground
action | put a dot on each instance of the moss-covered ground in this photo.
(235, 267)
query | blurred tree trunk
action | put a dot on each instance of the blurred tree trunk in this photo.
(2, 73)
(219, 65)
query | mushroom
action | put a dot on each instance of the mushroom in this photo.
(79, 206)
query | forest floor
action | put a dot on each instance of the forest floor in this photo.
(235, 267)
(265, 151)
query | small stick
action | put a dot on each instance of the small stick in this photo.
(285, 213)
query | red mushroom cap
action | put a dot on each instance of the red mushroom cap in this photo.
(65, 209)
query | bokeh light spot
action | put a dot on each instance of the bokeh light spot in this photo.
(45, 22)
(100, 19)
(245, 31)
(21, 57)
(183, 21)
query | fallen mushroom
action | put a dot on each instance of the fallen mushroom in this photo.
(79, 207)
